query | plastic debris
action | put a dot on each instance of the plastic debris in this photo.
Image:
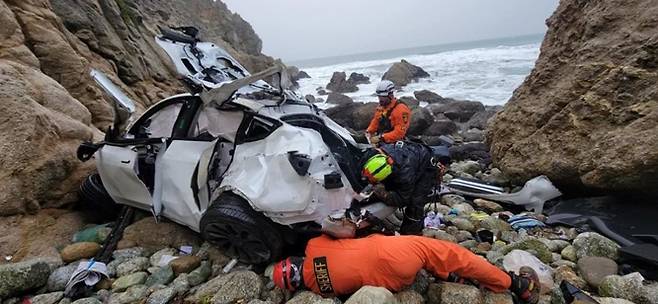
(433, 220)
(229, 266)
(516, 259)
(185, 250)
(90, 272)
(166, 259)
(525, 222)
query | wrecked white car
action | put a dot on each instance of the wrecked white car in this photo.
(246, 164)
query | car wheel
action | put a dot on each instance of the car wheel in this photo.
(96, 199)
(231, 224)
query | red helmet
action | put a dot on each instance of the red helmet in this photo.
(287, 274)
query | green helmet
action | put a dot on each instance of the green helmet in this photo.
(377, 168)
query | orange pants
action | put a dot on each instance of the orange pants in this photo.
(342, 266)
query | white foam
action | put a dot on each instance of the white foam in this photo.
(489, 75)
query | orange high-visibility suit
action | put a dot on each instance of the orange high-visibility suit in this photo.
(391, 122)
(342, 266)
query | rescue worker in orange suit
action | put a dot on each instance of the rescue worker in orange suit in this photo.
(336, 267)
(403, 175)
(392, 118)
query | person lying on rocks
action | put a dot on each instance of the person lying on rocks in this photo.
(404, 174)
(336, 267)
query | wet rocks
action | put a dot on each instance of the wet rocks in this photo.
(48, 298)
(629, 287)
(463, 224)
(495, 224)
(569, 253)
(23, 276)
(132, 265)
(429, 97)
(305, 297)
(421, 118)
(185, 264)
(162, 296)
(594, 244)
(566, 273)
(243, 285)
(533, 246)
(441, 127)
(372, 295)
(497, 298)
(162, 276)
(409, 297)
(82, 250)
(452, 293)
(487, 206)
(60, 276)
(459, 110)
(595, 269)
(149, 234)
(402, 73)
(339, 84)
(358, 78)
(339, 99)
(200, 274)
(127, 281)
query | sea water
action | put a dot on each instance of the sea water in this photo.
(486, 71)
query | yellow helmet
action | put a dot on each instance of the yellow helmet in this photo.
(377, 168)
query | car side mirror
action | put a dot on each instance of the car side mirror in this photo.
(122, 105)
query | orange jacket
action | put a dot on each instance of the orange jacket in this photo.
(400, 117)
(342, 266)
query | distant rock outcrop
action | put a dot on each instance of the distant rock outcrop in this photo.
(339, 99)
(430, 97)
(402, 73)
(587, 116)
(340, 84)
(358, 78)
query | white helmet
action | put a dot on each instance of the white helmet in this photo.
(385, 87)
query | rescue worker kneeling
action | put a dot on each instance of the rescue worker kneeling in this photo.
(404, 174)
(335, 267)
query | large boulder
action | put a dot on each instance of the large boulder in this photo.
(147, 233)
(358, 78)
(430, 97)
(339, 99)
(354, 115)
(339, 84)
(40, 235)
(587, 116)
(421, 119)
(458, 110)
(402, 73)
(20, 277)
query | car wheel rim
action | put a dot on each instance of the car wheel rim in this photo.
(236, 241)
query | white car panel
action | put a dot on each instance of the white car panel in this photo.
(263, 175)
(118, 171)
(177, 171)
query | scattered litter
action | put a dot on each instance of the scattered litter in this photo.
(230, 266)
(453, 211)
(185, 250)
(9, 258)
(433, 220)
(166, 259)
(516, 259)
(479, 216)
(525, 222)
(90, 272)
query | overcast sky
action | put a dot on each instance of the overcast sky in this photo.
(303, 29)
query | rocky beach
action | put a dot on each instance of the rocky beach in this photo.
(586, 117)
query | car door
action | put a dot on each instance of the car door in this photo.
(127, 165)
(182, 192)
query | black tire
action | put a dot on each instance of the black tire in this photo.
(241, 232)
(96, 199)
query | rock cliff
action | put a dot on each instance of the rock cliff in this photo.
(587, 116)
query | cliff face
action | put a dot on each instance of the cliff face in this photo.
(587, 116)
(50, 104)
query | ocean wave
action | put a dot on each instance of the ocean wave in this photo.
(488, 75)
